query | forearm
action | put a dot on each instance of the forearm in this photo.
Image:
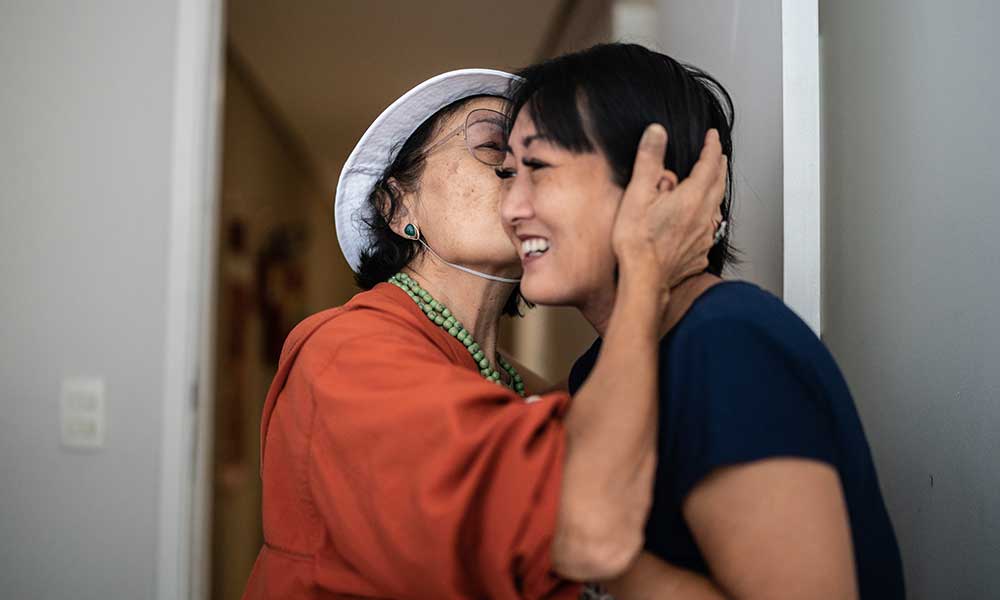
(650, 578)
(611, 434)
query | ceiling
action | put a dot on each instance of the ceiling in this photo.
(328, 67)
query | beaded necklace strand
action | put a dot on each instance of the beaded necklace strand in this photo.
(442, 317)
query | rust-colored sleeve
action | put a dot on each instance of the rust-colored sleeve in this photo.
(431, 481)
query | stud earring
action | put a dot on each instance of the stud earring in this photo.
(410, 230)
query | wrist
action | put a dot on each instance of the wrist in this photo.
(643, 277)
(641, 303)
(635, 251)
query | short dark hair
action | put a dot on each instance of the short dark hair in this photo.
(388, 253)
(607, 95)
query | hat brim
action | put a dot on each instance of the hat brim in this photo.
(378, 147)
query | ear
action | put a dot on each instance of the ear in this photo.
(404, 214)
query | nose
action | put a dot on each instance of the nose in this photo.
(516, 202)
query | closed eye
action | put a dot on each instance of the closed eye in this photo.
(503, 173)
(534, 164)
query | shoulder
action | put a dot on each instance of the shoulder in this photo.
(738, 339)
(735, 315)
(733, 321)
(371, 320)
(375, 311)
(746, 379)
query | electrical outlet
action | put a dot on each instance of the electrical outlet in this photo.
(82, 413)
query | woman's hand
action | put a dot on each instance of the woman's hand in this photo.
(665, 229)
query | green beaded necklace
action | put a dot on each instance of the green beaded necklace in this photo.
(442, 317)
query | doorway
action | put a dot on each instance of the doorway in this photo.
(302, 82)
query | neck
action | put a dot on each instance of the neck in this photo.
(476, 302)
(597, 310)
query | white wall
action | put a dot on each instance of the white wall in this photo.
(911, 293)
(740, 44)
(87, 210)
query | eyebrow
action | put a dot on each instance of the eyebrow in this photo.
(526, 140)
(494, 119)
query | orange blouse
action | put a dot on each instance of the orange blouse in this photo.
(392, 469)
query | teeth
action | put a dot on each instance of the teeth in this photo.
(534, 246)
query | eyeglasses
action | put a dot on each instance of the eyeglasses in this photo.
(485, 132)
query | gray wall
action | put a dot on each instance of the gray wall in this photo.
(740, 44)
(911, 293)
(85, 152)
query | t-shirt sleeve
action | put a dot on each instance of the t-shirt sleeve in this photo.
(739, 396)
(432, 481)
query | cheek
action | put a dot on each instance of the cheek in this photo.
(593, 254)
(464, 194)
(463, 213)
(581, 260)
(480, 208)
(591, 221)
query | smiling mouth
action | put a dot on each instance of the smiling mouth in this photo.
(534, 247)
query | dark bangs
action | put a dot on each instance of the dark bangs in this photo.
(549, 92)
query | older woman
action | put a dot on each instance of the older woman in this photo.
(403, 456)
(764, 479)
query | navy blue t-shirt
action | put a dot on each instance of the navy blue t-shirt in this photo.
(742, 378)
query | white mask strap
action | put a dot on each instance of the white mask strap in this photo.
(466, 269)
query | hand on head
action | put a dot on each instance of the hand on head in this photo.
(665, 228)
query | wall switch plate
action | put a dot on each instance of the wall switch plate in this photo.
(82, 413)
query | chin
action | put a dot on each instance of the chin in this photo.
(505, 255)
(508, 268)
(547, 291)
(498, 260)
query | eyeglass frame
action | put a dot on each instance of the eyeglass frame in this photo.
(464, 128)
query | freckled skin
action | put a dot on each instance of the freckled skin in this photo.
(457, 203)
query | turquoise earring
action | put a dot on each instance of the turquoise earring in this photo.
(410, 230)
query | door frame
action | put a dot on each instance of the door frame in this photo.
(801, 194)
(183, 500)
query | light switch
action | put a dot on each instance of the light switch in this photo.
(82, 412)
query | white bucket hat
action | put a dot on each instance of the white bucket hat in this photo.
(379, 145)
